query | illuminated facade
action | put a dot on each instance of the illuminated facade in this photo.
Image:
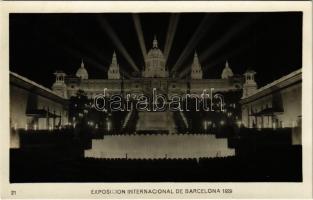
(154, 75)
(33, 106)
(276, 105)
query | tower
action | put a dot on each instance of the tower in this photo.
(114, 70)
(59, 86)
(250, 86)
(227, 72)
(82, 72)
(196, 71)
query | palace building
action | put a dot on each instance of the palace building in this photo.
(154, 75)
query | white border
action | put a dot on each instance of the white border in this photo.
(82, 190)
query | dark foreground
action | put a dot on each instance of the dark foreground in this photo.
(54, 165)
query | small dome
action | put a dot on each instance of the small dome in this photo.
(250, 71)
(82, 72)
(227, 72)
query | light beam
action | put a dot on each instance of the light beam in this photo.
(95, 63)
(196, 37)
(236, 28)
(220, 59)
(113, 36)
(141, 39)
(171, 31)
(97, 54)
(77, 54)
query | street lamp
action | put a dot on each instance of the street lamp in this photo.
(222, 122)
(108, 125)
(205, 125)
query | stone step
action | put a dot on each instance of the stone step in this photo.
(159, 146)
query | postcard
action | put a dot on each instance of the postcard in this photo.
(153, 100)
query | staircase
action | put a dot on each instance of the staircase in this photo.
(156, 121)
(157, 146)
(128, 116)
(129, 123)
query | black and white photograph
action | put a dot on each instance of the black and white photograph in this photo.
(156, 97)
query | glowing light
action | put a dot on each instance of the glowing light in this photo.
(141, 39)
(190, 47)
(239, 123)
(108, 125)
(236, 28)
(225, 56)
(171, 31)
(113, 36)
(35, 127)
(97, 54)
(26, 127)
(222, 122)
(274, 125)
(78, 54)
(216, 61)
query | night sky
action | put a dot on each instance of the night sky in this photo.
(269, 43)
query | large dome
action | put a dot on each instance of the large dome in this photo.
(82, 72)
(155, 62)
(155, 53)
(155, 57)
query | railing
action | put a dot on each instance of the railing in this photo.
(128, 116)
(184, 118)
(129, 124)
